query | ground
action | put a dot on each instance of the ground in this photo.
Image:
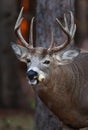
(16, 120)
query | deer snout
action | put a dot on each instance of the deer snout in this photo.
(32, 74)
(33, 77)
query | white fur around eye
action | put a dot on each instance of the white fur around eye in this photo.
(46, 62)
(28, 60)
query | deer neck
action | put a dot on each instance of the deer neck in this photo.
(56, 84)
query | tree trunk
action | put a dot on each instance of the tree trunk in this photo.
(82, 23)
(9, 84)
(47, 12)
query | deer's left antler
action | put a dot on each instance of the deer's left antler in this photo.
(69, 32)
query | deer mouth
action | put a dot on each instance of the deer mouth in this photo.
(33, 81)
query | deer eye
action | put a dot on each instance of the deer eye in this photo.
(46, 62)
(28, 60)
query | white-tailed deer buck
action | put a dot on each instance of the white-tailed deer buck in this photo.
(63, 74)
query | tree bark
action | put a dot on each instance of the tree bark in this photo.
(9, 83)
(47, 12)
(82, 23)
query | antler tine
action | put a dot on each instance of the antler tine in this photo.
(31, 33)
(52, 42)
(69, 32)
(73, 26)
(17, 28)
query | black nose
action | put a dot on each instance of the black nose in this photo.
(32, 74)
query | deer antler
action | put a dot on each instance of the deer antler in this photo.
(31, 33)
(69, 32)
(18, 31)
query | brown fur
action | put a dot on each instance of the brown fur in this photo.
(65, 81)
(66, 85)
(67, 92)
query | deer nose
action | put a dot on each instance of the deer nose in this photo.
(32, 74)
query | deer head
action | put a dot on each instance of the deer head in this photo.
(41, 61)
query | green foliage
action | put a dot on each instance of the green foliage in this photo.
(32, 103)
(17, 122)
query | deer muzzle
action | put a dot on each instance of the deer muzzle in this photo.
(34, 77)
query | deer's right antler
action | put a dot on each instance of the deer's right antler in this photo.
(69, 32)
(18, 31)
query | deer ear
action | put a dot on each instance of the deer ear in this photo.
(70, 54)
(20, 51)
(67, 56)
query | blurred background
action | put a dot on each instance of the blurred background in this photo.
(17, 103)
(16, 98)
